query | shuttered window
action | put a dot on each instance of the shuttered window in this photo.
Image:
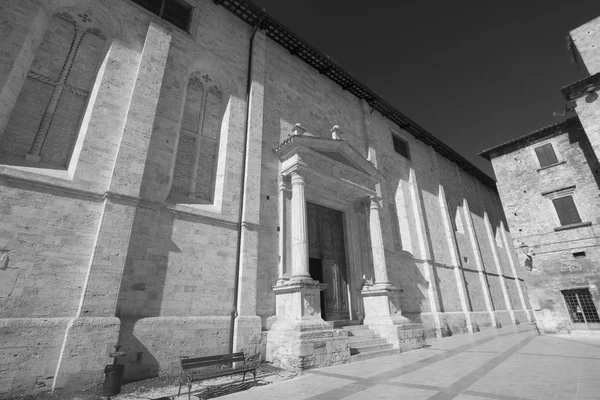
(546, 155)
(566, 210)
(401, 146)
(177, 12)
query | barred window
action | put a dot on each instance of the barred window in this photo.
(581, 307)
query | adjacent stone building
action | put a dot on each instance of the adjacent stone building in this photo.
(188, 177)
(549, 183)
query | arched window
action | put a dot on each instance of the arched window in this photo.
(44, 123)
(197, 151)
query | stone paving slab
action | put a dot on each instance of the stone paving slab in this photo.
(502, 364)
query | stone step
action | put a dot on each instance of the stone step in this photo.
(363, 333)
(359, 338)
(355, 327)
(369, 348)
(340, 323)
(359, 342)
(374, 354)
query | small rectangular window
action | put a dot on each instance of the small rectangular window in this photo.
(581, 306)
(546, 155)
(401, 146)
(177, 12)
(566, 210)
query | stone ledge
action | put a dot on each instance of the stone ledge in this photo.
(553, 165)
(573, 226)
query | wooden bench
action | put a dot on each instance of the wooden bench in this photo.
(188, 365)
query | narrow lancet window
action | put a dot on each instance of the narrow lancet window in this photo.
(45, 120)
(197, 151)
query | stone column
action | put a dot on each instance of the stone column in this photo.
(513, 268)
(283, 189)
(379, 264)
(299, 231)
(300, 339)
(490, 232)
(381, 300)
(479, 261)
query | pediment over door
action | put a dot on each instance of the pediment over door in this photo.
(329, 165)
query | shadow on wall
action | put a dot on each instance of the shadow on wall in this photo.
(407, 276)
(143, 284)
(435, 276)
(578, 135)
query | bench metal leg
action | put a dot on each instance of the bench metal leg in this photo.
(189, 390)
(254, 373)
(244, 377)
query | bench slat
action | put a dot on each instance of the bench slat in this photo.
(211, 358)
(225, 372)
(201, 364)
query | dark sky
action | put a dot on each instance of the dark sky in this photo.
(473, 73)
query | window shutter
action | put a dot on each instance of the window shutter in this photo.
(550, 155)
(178, 13)
(546, 155)
(400, 146)
(572, 213)
(566, 210)
(154, 6)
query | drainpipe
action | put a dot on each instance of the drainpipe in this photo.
(242, 192)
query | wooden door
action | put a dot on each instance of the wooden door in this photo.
(326, 242)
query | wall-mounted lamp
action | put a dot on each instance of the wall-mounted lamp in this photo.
(529, 256)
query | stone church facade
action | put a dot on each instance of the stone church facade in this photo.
(549, 183)
(191, 178)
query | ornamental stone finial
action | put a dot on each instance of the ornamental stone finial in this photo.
(337, 133)
(298, 130)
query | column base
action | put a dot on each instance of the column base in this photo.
(382, 315)
(300, 339)
(298, 349)
(298, 300)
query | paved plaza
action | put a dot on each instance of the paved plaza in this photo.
(505, 364)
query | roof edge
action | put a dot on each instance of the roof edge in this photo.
(252, 14)
(549, 130)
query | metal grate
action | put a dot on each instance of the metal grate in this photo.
(581, 306)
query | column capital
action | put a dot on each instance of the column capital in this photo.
(297, 178)
(374, 202)
(282, 185)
